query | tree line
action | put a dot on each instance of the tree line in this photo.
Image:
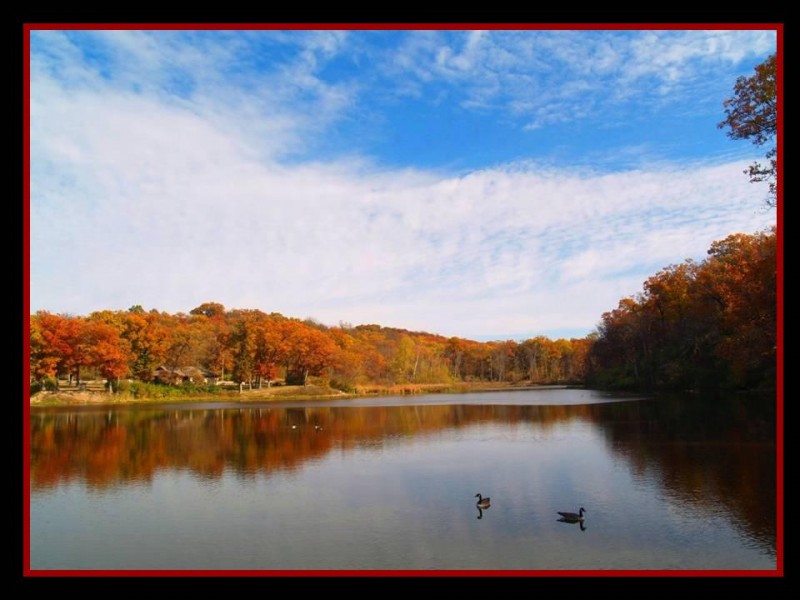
(254, 348)
(711, 324)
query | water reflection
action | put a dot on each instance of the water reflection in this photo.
(707, 457)
(581, 523)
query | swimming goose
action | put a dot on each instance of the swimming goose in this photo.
(571, 516)
(482, 502)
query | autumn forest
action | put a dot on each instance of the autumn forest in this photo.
(708, 324)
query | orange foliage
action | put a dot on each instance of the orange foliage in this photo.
(252, 345)
(712, 324)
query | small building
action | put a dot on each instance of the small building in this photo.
(179, 375)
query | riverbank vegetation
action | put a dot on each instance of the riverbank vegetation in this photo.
(710, 324)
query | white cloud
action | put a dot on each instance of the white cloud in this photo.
(168, 210)
(142, 195)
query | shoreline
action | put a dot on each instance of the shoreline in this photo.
(67, 398)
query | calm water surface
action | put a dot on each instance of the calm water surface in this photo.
(390, 484)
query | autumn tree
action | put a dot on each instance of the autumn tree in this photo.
(270, 348)
(350, 358)
(740, 276)
(454, 352)
(670, 301)
(528, 357)
(107, 351)
(148, 340)
(186, 337)
(406, 360)
(214, 332)
(73, 346)
(543, 360)
(752, 114)
(209, 309)
(66, 344)
(242, 344)
(44, 357)
(310, 351)
(502, 360)
(579, 358)
(619, 350)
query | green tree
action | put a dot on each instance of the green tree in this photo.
(752, 114)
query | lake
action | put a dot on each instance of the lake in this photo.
(390, 483)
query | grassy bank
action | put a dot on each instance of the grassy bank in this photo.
(176, 394)
(157, 394)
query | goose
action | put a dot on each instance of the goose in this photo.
(571, 516)
(482, 502)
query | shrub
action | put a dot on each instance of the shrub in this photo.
(343, 386)
(196, 388)
(295, 378)
(139, 389)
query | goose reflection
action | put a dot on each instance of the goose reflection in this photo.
(480, 512)
(581, 523)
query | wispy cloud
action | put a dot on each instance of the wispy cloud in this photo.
(281, 81)
(225, 77)
(554, 76)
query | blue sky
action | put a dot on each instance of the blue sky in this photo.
(482, 184)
